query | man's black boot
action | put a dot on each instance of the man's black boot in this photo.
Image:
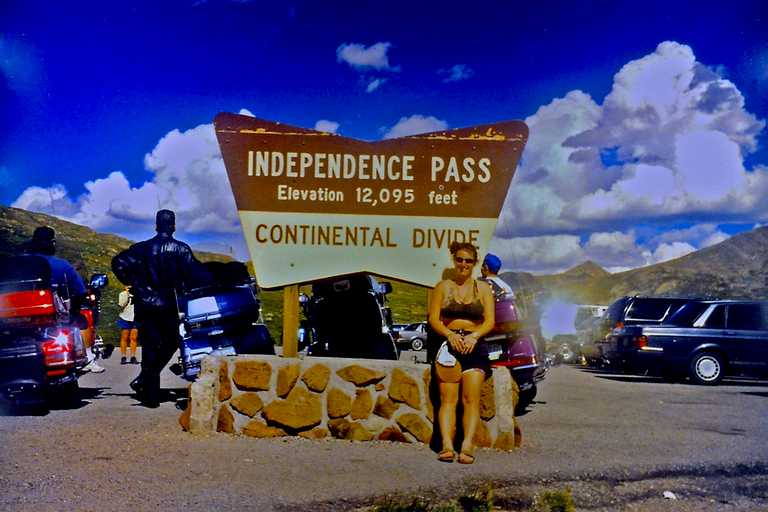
(137, 385)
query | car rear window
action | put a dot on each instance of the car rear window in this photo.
(687, 314)
(615, 310)
(649, 310)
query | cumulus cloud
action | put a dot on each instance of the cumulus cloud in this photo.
(187, 172)
(666, 145)
(374, 83)
(324, 125)
(414, 125)
(371, 61)
(456, 73)
(362, 58)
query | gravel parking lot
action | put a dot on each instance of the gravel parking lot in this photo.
(618, 442)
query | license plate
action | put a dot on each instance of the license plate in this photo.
(494, 351)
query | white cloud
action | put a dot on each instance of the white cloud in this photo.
(371, 60)
(611, 182)
(326, 126)
(374, 84)
(188, 177)
(456, 73)
(415, 125)
(541, 254)
(666, 146)
(666, 252)
(361, 58)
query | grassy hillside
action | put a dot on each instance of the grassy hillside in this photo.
(88, 251)
(733, 269)
(91, 253)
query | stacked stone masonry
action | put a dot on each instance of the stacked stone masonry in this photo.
(351, 399)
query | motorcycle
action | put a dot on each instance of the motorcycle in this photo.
(512, 346)
(220, 314)
(42, 351)
(347, 317)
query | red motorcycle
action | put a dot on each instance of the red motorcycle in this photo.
(512, 345)
(41, 342)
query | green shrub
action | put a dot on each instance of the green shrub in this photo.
(555, 501)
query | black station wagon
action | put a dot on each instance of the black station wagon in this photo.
(704, 340)
(625, 311)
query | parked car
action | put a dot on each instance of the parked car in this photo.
(638, 309)
(395, 329)
(413, 336)
(704, 340)
(585, 323)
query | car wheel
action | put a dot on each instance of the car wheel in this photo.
(568, 353)
(417, 344)
(707, 368)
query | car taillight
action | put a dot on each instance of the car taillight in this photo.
(619, 325)
(641, 341)
(58, 352)
(517, 361)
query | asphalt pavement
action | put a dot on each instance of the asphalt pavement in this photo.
(109, 453)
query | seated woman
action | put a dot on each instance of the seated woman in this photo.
(461, 312)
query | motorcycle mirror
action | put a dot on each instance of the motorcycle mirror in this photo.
(99, 281)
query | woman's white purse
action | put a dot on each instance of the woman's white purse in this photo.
(444, 356)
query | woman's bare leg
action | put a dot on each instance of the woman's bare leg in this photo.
(471, 386)
(449, 399)
(123, 341)
(134, 341)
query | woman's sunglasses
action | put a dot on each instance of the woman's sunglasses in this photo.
(464, 260)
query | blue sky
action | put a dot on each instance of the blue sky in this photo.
(648, 136)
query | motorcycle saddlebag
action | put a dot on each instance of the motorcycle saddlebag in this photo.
(26, 299)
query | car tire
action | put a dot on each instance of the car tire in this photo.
(707, 368)
(417, 344)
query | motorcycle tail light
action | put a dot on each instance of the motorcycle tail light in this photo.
(517, 361)
(58, 351)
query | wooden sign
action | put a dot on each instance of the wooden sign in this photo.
(315, 205)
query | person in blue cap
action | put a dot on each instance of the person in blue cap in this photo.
(490, 271)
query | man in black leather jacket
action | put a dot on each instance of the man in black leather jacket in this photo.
(156, 269)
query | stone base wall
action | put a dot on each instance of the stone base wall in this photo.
(352, 399)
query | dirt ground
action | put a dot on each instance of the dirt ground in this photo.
(109, 453)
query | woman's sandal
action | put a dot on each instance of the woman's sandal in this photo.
(466, 458)
(447, 455)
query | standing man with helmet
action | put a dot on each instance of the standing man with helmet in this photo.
(156, 270)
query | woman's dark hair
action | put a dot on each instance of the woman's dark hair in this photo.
(463, 246)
